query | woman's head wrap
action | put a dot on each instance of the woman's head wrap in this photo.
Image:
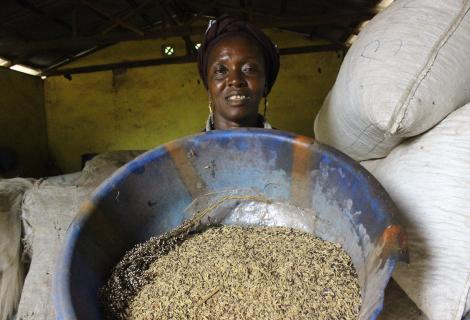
(226, 26)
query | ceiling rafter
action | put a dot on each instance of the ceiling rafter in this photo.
(201, 13)
(283, 7)
(182, 59)
(84, 42)
(104, 13)
(179, 12)
(69, 59)
(40, 12)
(7, 34)
(13, 34)
(145, 17)
(135, 11)
(131, 20)
(75, 20)
(179, 31)
(190, 49)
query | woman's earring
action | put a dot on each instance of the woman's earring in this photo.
(211, 115)
(210, 106)
(266, 104)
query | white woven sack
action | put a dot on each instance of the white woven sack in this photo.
(11, 267)
(48, 209)
(428, 177)
(407, 70)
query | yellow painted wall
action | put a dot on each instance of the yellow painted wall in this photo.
(22, 120)
(141, 108)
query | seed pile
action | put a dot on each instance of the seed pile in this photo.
(235, 273)
(129, 275)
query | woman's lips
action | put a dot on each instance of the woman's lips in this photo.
(237, 99)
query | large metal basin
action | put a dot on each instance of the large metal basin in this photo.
(325, 192)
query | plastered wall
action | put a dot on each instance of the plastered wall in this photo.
(22, 121)
(142, 108)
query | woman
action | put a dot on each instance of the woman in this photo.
(238, 64)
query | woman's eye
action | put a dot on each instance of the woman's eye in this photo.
(249, 68)
(220, 70)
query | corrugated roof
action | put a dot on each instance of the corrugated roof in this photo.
(43, 34)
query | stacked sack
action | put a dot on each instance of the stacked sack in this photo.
(407, 70)
(48, 209)
(428, 177)
(11, 265)
(404, 76)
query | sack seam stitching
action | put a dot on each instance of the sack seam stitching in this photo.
(394, 127)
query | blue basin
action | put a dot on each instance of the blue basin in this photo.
(332, 196)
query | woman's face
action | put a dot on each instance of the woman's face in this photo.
(236, 81)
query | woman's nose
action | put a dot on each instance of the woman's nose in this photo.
(236, 78)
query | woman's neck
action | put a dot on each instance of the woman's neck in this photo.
(223, 124)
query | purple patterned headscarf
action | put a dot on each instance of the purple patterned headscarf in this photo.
(226, 26)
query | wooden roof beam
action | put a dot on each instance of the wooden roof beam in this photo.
(183, 59)
(133, 12)
(32, 8)
(111, 17)
(8, 34)
(135, 6)
(190, 49)
(71, 59)
(86, 42)
(179, 31)
(283, 8)
(75, 20)
(180, 12)
(265, 20)
(210, 6)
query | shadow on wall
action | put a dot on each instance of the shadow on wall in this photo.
(9, 166)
